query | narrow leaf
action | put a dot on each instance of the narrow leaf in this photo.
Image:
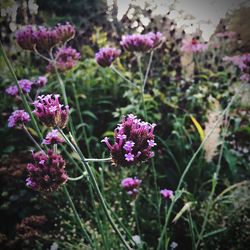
(198, 127)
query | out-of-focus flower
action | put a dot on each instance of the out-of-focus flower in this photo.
(157, 38)
(65, 59)
(40, 82)
(50, 112)
(133, 142)
(18, 117)
(131, 185)
(106, 56)
(25, 37)
(25, 85)
(29, 228)
(65, 32)
(53, 137)
(46, 38)
(243, 62)
(167, 194)
(137, 43)
(193, 45)
(12, 90)
(47, 173)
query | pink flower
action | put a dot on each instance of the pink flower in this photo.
(65, 32)
(166, 194)
(193, 45)
(157, 38)
(12, 90)
(106, 56)
(137, 43)
(40, 82)
(50, 112)
(66, 59)
(132, 141)
(18, 117)
(131, 185)
(53, 137)
(25, 37)
(47, 173)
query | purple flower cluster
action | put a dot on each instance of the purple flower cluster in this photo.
(167, 194)
(18, 117)
(157, 38)
(134, 140)
(25, 85)
(66, 59)
(47, 173)
(137, 43)
(106, 56)
(50, 112)
(43, 38)
(131, 185)
(193, 45)
(53, 137)
(66, 32)
(40, 82)
(243, 62)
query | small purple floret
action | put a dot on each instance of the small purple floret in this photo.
(106, 56)
(53, 137)
(131, 185)
(18, 117)
(167, 194)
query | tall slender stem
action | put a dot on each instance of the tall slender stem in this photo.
(138, 57)
(77, 217)
(23, 97)
(75, 148)
(31, 137)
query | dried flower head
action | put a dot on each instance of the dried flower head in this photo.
(18, 117)
(25, 37)
(65, 32)
(131, 185)
(134, 140)
(47, 173)
(137, 43)
(50, 112)
(167, 194)
(106, 56)
(53, 137)
(65, 59)
(193, 45)
(40, 82)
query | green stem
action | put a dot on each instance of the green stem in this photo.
(76, 149)
(97, 160)
(31, 137)
(138, 56)
(191, 161)
(77, 217)
(76, 178)
(24, 100)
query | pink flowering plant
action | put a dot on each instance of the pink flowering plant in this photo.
(122, 142)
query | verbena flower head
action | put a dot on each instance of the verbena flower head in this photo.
(106, 56)
(25, 85)
(40, 82)
(133, 142)
(25, 37)
(65, 32)
(18, 117)
(66, 59)
(193, 45)
(12, 90)
(46, 38)
(131, 185)
(47, 173)
(157, 38)
(53, 137)
(137, 43)
(167, 194)
(50, 112)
